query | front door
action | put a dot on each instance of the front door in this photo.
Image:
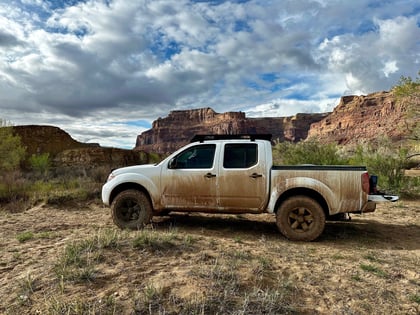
(189, 182)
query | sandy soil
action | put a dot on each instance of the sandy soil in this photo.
(206, 264)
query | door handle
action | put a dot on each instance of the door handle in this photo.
(255, 175)
(210, 175)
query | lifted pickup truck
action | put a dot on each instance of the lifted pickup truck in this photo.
(235, 174)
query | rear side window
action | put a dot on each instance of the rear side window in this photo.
(240, 155)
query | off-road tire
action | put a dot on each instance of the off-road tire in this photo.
(131, 209)
(300, 218)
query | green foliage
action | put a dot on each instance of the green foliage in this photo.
(415, 298)
(406, 86)
(40, 163)
(374, 269)
(381, 158)
(154, 157)
(11, 150)
(154, 241)
(407, 92)
(25, 236)
(385, 161)
(78, 261)
(307, 152)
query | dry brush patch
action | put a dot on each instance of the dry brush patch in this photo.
(74, 261)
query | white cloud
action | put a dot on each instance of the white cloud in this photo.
(104, 62)
(390, 67)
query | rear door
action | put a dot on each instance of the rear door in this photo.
(242, 182)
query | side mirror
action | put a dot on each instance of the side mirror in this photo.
(172, 163)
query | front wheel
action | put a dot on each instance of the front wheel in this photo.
(300, 218)
(131, 209)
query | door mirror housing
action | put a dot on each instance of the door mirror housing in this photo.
(172, 163)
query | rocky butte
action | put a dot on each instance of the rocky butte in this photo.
(172, 132)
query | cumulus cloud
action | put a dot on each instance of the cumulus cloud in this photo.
(105, 64)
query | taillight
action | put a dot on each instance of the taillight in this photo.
(366, 183)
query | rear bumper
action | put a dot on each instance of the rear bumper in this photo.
(383, 198)
(370, 205)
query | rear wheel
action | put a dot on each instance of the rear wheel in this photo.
(131, 209)
(300, 218)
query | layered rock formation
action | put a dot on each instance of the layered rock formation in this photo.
(172, 132)
(63, 150)
(363, 118)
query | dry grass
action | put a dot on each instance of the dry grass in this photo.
(72, 260)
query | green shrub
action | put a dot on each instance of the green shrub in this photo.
(25, 236)
(11, 150)
(40, 163)
(307, 152)
(407, 93)
(385, 161)
(406, 86)
(14, 191)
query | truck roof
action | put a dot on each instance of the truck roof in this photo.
(251, 137)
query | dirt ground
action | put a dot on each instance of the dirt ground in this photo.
(72, 260)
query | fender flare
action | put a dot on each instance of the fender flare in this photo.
(302, 183)
(133, 180)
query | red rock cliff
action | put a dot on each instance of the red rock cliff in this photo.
(362, 118)
(172, 132)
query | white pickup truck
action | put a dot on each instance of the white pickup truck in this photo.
(235, 174)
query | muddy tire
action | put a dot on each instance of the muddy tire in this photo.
(131, 209)
(300, 218)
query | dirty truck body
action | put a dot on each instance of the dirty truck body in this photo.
(235, 174)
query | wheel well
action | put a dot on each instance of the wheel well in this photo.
(127, 186)
(305, 192)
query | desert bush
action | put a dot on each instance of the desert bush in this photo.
(307, 152)
(406, 86)
(99, 174)
(407, 93)
(14, 191)
(40, 163)
(385, 161)
(11, 150)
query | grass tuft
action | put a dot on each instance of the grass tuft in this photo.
(375, 270)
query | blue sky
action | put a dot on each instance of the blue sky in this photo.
(104, 70)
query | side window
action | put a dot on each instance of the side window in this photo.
(200, 156)
(240, 155)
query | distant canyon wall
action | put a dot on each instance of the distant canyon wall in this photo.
(355, 119)
(172, 132)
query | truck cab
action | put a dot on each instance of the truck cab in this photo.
(223, 175)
